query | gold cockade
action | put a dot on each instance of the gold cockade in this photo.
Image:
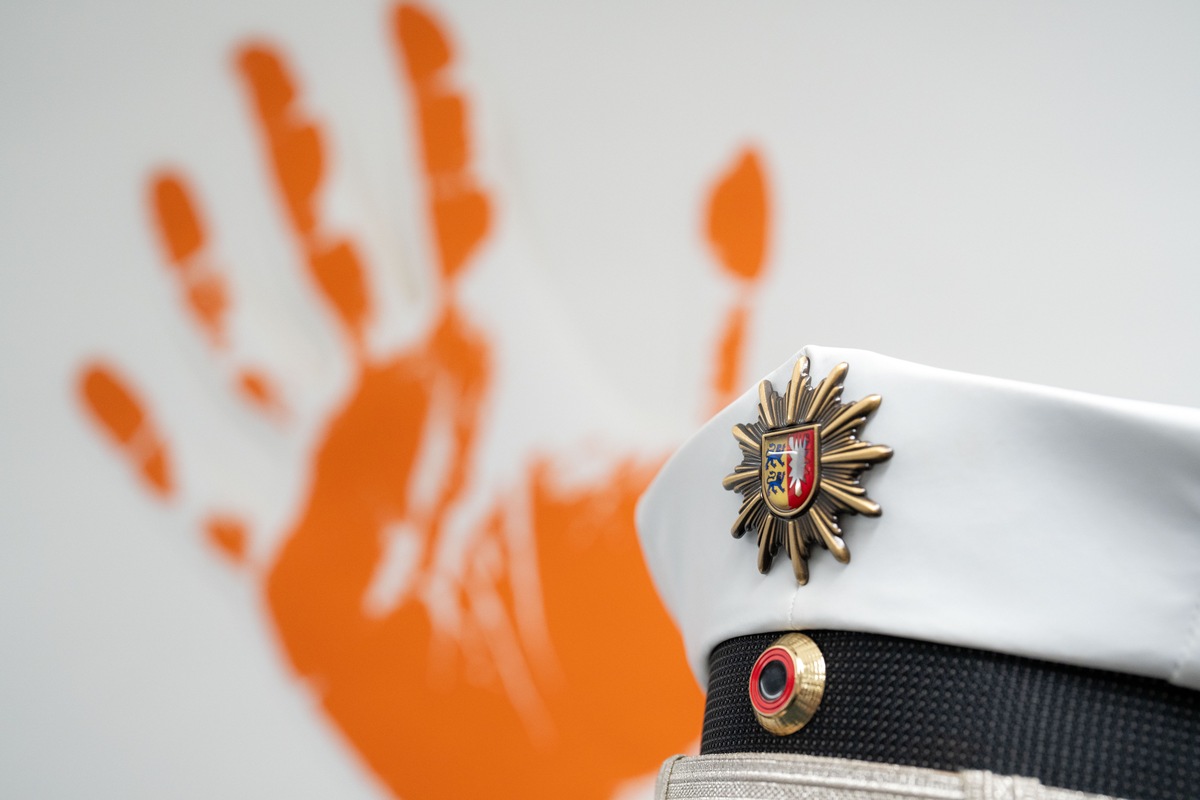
(801, 463)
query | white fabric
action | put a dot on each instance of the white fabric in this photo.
(786, 776)
(1017, 518)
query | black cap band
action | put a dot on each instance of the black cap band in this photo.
(920, 704)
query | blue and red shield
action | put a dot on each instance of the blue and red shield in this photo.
(791, 467)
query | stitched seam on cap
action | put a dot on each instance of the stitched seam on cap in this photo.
(792, 607)
(662, 786)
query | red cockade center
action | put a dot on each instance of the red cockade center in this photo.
(768, 693)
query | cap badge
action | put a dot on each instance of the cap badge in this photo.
(800, 469)
(787, 684)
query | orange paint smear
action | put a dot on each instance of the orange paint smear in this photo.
(184, 242)
(459, 210)
(738, 217)
(294, 144)
(115, 409)
(228, 536)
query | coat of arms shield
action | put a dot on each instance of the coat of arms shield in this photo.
(790, 469)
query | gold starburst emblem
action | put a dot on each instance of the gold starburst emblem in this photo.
(800, 469)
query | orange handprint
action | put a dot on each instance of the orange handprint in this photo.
(500, 671)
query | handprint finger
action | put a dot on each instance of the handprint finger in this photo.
(730, 347)
(185, 245)
(459, 210)
(116, 410)
(738, 218)
(737, 228)
(176, 217)
(293, 142)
